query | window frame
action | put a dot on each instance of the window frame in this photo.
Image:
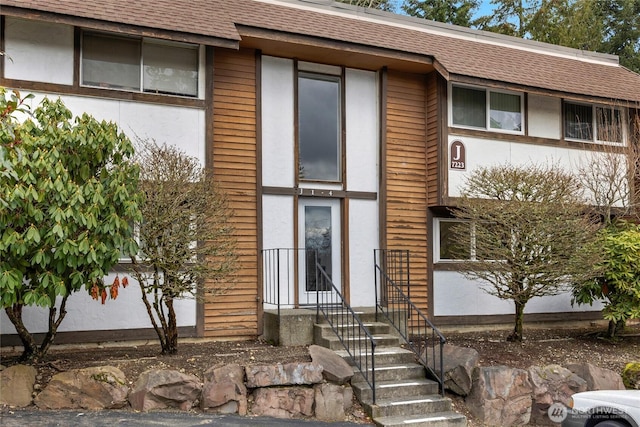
(487, 99)
(304, 70)
(437, 246)
(141, 41)
(594, 123)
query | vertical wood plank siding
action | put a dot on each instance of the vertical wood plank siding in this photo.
(406, 175)
(235, 314)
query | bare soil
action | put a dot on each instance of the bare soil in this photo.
(542, 346)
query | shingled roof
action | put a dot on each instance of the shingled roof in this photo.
(461, 52)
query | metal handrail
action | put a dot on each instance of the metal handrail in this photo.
(279, 274)
(345, 323)
(406, 317)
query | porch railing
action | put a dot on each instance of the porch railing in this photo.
(392, 301)
(281, 275)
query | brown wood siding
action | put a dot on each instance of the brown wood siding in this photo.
(235, 314)
(433, 138)
(406, 175)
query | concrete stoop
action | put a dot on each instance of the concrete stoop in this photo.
(404, 395)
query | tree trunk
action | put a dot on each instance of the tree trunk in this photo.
(171, 333)
(615, 328)
(54, 322)
(516, 335)
(31, 352)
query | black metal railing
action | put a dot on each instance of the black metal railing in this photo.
(345, 323)
(280, 271)
(422, 337)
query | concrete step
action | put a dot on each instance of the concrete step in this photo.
(373, 327)
(394, 372)
(394, 389)
(409, 406)
(385, 355)
(437, 419)
(334, 343)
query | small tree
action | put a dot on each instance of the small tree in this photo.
(186, 240)
(530, 236)
(619, 284)
(66, 203)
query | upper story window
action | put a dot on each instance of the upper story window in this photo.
(592, 123)
(319, 127)
(486, 109)
(135, 64)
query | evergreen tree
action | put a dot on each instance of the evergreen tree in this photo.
(458, 12)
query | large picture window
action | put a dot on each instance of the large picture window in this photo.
(319, 127)
(485, 109)
(592, 123)
(135, 64)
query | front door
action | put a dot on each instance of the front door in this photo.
(319, 236)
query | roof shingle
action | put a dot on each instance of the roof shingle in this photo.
(461, 52)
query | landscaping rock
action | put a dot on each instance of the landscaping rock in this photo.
(332, 401)
(552, 384)
(334, 367)
(459, 363)
(597, 378)
(289, 374)
(224, 391)
(160, 389)
(500, 396)
(16, 385)
(631, 375)
(103, 387)
(291, 402)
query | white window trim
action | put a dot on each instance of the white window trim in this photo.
(436, 241)
(487, 126)
(594, 124)
(142, 40)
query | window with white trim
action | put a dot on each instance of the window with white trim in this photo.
(592, 123)
(486, 109)
(139, 64)
(447, 247)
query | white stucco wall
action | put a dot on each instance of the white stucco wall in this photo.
(363, 239)
(362, 130)
(544, 116)
(38, 51)
(484, 152)
(85, 314)
(180, 126)
(277, 122)
(456, 295)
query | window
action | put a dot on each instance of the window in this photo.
(134, 64)
(319, 127)
(480, 244)
(592, 123)
(469, 107)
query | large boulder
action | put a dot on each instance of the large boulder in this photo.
(459, 363)
(552, 384)
(16, 385)
(631, 375)
(597, 378)
(224, 391)
(161, 389)
(288, 374)
(334, 367)
(290, 402)
(500, 395)
(103, 387)
(332, 401)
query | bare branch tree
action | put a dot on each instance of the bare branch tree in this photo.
(186, 241)
(528, 232)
